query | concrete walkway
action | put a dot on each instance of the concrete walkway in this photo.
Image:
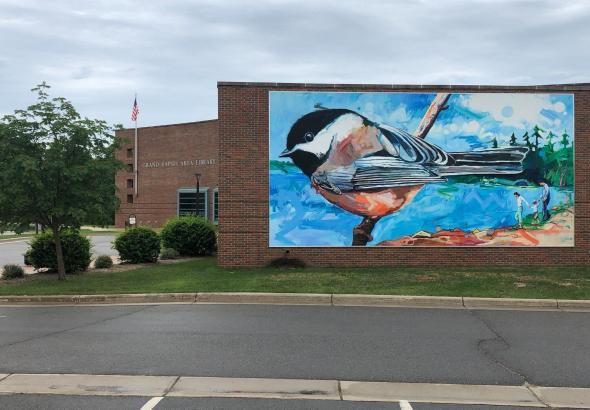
(159, 387)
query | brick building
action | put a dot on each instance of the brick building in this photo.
(168, 159)
(244, 187)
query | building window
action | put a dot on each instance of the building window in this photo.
(190, 204)
(215, 205)
(129, 183)
(129, 199)
(130, 167)
(129, 152)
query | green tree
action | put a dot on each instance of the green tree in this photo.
(565, 139)
(527, 139)
(537, 135)
(550, 147)
(56, 169)
(494, 143)
(513, 140)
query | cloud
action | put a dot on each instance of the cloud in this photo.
(100, 53)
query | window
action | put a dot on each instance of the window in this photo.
(130, 167)
(129, 199)
(215, 205)
(129, 183)
(189, 202)
(129, 152)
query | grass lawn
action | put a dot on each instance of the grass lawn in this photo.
(83, 231)
(203, 275)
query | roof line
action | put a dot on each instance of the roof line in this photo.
(552, 87)
(169, 125)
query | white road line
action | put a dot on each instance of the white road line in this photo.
(153, 402)
(405, 405)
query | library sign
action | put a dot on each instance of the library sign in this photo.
(182, 163)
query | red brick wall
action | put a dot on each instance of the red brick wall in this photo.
(157, 189)
(243, 187)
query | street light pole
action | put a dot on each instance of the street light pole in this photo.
(198, 176)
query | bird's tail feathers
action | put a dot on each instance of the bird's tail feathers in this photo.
(486, 162)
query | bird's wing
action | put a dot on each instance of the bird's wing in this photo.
(376, 172)
(401, 144)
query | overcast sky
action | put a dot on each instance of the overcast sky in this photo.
(99, 53)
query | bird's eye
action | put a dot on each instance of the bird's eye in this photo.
(308, 136)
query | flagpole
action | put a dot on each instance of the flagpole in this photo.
(135, 157)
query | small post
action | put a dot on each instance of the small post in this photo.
(198, 176)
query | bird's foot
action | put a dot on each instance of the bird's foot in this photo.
(321, 181)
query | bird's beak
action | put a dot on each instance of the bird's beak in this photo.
(287, 152)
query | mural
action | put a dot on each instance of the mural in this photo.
(412, 169)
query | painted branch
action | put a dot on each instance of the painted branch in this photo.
(436, 106)
(361, 234)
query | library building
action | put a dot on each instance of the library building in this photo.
(170, 170)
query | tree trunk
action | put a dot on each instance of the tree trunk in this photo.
(361, 234)
(61, 270)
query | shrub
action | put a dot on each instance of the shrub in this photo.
(190, 236)
(103, 262)
(28, 258)
(169, 253)
(76, 251)
(12, 272)
(138, 245)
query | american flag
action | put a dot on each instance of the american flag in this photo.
(134, 111)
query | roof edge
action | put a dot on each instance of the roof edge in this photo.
(551, 87)
(169, 125)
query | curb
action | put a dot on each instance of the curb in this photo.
(317, 299)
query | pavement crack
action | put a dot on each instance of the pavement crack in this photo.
(340, 390)
(57, 332)
(169, 389)
(499, 340)
(529, 388)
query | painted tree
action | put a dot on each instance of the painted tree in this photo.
(564, 139)
(537, 135)
(56, 169)
(527, 139)
(494, 143)
(513, 140)
(550, 147)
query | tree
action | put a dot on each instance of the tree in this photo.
(537, 134)
(56, 168)
(494, 143)
(513, 140)
(564, 139)
(549, 147)
(527, 140)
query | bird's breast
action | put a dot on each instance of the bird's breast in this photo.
(374, 203)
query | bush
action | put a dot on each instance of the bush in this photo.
(12, 272)
(169, 253)
(76, 251)
(138, 245)
(28, 258)
(190, 236)
(103, 262)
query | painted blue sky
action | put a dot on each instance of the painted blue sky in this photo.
(471, 121)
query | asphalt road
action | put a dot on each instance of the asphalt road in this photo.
(300, 342)
(12, 251)
(56, 402)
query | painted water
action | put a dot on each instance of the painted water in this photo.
(301, 217)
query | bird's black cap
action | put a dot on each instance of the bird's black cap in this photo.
(307, 127)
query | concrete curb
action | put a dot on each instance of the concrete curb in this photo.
(309, 389)
(318, 299)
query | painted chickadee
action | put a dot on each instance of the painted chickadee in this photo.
(374, 170)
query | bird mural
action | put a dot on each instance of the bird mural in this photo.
(374, 170)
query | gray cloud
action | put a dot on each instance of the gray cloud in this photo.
(172, 53)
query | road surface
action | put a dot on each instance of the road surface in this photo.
(293, 342)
